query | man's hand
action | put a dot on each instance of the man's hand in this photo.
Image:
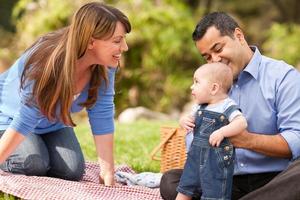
(242, 140)
(187, 122)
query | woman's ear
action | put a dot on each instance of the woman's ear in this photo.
(214, 88)
(91, 43)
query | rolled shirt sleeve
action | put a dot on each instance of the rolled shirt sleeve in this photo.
(288, 114)
(101, 115)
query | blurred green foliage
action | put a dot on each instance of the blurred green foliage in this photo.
(157, 70)
(6, 8)
(284, 42)
(161, 51)
(34, 18)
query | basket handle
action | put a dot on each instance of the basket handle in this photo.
(157, 148)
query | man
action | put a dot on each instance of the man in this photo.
(268, 92)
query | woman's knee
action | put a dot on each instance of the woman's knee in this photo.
(72, 171)
(36, 165)
(75, 173)
(31, 165)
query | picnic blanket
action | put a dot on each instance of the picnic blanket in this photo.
(37, 187)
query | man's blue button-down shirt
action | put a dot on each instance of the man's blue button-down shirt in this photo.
(268, 93)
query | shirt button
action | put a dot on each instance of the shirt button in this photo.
(242, 165)
(237, 86)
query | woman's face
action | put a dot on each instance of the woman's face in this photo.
(107, 52)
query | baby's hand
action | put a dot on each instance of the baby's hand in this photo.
(187, 122)
(216, 138)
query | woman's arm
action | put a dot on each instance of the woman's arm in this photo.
(101, 118)
(104, 147)
(9, 142)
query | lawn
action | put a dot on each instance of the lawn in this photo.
(133, 145)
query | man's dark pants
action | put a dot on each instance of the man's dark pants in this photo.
(286, 186)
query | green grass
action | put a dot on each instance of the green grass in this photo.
(133, 145)
(7, 197)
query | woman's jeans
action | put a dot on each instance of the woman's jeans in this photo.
(56, 154)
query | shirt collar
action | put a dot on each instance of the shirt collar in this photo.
(253, 66)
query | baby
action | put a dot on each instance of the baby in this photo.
(210, 161)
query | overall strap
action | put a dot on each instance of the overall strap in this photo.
(230, 110)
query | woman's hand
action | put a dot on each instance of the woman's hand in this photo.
(107, 178)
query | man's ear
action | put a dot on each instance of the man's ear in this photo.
(214, 88)
(238, 33)
(91, 43)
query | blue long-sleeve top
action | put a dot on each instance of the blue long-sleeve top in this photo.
(18, 115)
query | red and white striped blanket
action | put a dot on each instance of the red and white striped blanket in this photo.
(36, 187)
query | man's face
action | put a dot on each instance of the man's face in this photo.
(230, 51)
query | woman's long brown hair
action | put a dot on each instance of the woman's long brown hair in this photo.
(52, 58)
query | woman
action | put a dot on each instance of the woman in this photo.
(62, 72)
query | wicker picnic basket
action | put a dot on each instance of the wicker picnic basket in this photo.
(172, 149)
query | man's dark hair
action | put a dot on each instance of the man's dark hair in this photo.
(223, 22)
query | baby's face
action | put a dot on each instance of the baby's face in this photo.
(201, 87)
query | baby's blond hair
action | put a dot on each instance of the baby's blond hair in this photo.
(218, 73)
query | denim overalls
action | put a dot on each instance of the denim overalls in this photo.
(209, 170)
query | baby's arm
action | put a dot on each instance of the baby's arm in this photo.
(236, 126)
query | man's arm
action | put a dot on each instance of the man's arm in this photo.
(270, 145)
(285, 142)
